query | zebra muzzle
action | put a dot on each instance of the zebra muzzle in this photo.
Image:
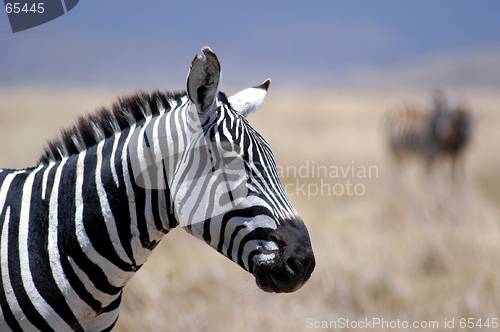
(293, 262)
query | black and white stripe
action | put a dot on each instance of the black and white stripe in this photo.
(75, 228)
(441, 131)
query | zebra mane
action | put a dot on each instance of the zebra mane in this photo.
(89, 130)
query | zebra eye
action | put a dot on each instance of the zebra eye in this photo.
(228, 147)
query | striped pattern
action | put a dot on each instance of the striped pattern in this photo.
(76, 228)
(440, 132)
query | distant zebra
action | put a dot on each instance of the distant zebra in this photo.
(75, 228)
(441, 131)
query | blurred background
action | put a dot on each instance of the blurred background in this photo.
(417, 244)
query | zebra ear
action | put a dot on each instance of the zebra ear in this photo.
(203, 80)
(249, 100)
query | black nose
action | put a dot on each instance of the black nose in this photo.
(298, 265)
(294, 263)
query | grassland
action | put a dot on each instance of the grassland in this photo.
(413, 246)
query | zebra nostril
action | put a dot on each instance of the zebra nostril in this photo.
(295, 266)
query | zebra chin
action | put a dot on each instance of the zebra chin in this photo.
(290, 266)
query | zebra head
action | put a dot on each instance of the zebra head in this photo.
(233, 199)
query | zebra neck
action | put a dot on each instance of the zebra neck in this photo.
(126, 220)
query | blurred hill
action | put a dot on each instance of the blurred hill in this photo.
(470, 70)
(149, 44)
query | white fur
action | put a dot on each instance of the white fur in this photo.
(248, 100)
(9, 291)
(56, 322)
(107, 214)
(116, 276)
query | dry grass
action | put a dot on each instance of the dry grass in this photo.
(413, 247)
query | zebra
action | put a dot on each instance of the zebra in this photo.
(75, 228)
(439, 132)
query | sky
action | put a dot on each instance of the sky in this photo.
(150, 44)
